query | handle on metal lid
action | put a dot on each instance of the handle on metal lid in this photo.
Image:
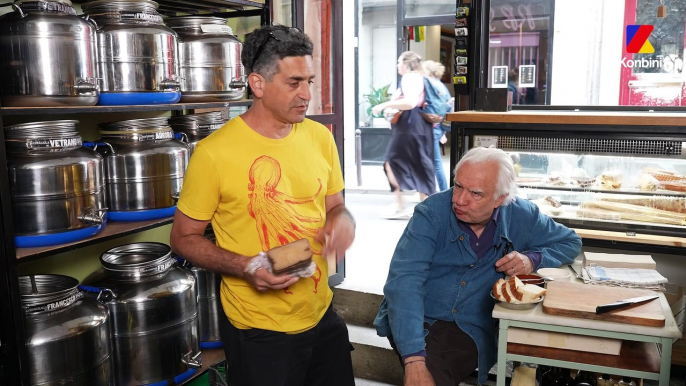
(183, 137)
(94, 145)
(88, 19)
(17, 8)
(104, 294)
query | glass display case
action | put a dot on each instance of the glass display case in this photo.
(605, 181)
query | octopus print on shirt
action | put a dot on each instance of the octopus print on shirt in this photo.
(276, 214)
(260, 193)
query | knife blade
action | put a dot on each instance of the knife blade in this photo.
(623, 303)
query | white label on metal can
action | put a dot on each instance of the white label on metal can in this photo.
(216, 28)
(485, 140)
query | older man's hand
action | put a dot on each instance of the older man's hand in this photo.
(416, 374)
(514, 263)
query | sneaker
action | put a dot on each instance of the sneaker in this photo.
(396, 213)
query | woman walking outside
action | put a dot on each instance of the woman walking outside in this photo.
(434, 71)
(409, 158)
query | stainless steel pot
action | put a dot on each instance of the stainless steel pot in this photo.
(210, 59)
(136, 51)
(48, 56)
(209, 311)
(154, 315)
(197, 126)
(67, 335)
(56, 184)
(144, 164)
(209, 308)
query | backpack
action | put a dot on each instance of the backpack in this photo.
(436, 97)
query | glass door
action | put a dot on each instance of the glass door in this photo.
(322, 21)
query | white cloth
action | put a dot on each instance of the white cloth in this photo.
(624, 277)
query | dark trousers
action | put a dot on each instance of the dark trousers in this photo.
(319, 356)
(451, 354)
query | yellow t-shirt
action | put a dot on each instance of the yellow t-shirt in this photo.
(260, 193)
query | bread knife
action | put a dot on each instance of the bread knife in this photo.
(623, 303)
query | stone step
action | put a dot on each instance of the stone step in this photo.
(367, 382)
(356, 307)
(373, 357)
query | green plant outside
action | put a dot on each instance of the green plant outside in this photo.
(376, 97)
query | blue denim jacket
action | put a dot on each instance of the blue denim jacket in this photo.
(435, 275)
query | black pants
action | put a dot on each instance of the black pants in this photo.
(451, 354)
(319, 356)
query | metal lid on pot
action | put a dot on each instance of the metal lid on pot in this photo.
(199, 25)
(198, 125)
(53, 6)
(48, 293)
(44, 135)
(145, 129)
(137, 260)
(123, 11)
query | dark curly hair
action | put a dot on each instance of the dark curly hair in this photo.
(264, 47)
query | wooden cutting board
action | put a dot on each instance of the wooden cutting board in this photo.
(580, 300)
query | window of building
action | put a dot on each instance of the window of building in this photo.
(588, 52)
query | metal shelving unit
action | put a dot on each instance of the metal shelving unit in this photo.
(117, 109)
(197, 7)
(13, 353)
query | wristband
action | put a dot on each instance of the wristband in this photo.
(416, 360)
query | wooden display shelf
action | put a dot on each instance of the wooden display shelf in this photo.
(571, 118)
(111, 231)
(637, 356)
(117, 109)
(639, 238)
(210, 357)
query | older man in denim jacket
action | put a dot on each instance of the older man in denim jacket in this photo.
(437, 308)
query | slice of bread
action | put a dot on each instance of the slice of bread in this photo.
(514, 283)
(497, 291)
(515, 292)
(509, 294)
(531, 293)
(291, 256)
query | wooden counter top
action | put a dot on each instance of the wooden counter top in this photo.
(536, 315)
(571, 118)
(638, 238)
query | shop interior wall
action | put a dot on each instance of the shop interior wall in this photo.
(587, 50)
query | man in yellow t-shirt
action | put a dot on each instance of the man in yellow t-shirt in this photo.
(267, 178)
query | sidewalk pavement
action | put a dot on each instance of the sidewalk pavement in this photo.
(374, 179)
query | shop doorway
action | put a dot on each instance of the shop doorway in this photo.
(384, 29)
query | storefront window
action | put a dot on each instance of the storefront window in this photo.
(318, 26)
(588, 52)
(282, 12)
(377, 54)
(417, 8)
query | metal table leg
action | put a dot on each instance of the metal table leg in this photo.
(502, 352)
